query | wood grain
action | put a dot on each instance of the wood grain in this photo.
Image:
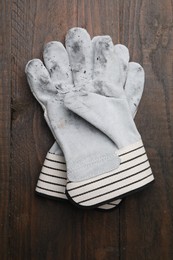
(148, 233)
(39, 228)
(5, 125)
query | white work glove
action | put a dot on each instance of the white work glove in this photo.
(53, 177)
(100, 100)
(88, 152)
(84, 168)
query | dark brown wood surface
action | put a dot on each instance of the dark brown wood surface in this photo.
(37, 228)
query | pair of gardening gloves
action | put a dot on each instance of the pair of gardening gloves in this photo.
(90, 93)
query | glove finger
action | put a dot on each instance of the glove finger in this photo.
(122, 54)
(39, 79)
(57, 62)
(106, 66)
(104, 86)
(79, 48)
(134, 86)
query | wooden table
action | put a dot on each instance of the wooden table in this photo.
(37, 228)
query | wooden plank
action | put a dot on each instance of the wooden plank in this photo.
(147, 217)
(41, 229)
(5, 123)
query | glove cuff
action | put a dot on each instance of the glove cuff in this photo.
(133, 173)
(52, 180)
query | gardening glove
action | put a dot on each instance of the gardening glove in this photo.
(100, 99)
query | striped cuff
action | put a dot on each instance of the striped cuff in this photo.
(53, 177)
(133, 173)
